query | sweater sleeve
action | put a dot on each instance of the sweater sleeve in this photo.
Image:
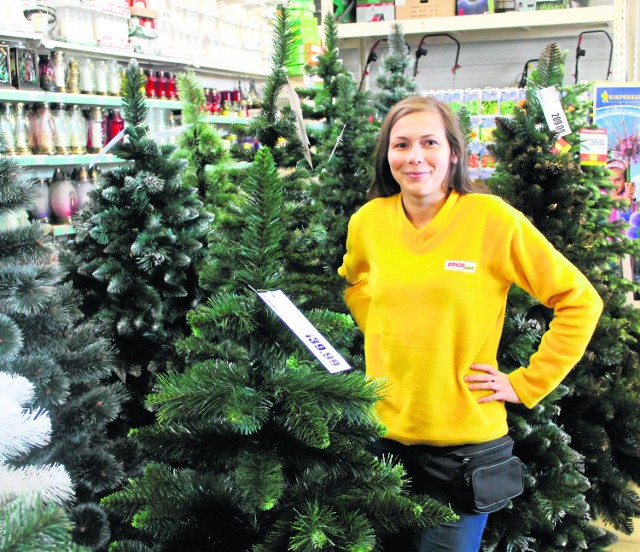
(355, 269)
(537, 267)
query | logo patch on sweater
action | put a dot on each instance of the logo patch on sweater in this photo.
(460, 266)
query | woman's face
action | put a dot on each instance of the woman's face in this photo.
(420, 156)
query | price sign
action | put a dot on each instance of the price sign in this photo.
(279, 303)
(553, 111)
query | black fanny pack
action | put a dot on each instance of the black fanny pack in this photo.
(481, 477)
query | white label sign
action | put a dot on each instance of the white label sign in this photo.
(279, 303)
(553, 111)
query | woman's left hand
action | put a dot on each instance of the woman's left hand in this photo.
(491, 379)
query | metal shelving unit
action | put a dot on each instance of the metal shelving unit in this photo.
(510, 26)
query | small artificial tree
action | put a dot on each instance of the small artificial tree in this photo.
(258, 447)
(201, 146)
(595, 405)
(137, 250)
(44, 338)
(393, 83)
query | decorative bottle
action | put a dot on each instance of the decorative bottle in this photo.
(101, 78)
(61, 130)
(41, 210)
(45, 130)
(161, 91)
(8, 129)
(45, 68)
(59, 71)
(115, 124)
(150, 87)
(63, 196)
(77, 131)
(22, 131)
(96, 131)
(113, 87)
(83, 187)
(73, 78)
(87, 80)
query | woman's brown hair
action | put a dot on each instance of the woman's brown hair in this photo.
(384, 184)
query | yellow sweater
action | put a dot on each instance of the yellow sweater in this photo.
(431, 302)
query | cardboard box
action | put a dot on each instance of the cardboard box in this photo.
(366, 12)
(420, 9)
(474, 7)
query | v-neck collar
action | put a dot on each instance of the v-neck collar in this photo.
(419, 236)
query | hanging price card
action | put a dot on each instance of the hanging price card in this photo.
(553, 111)
(279, 303)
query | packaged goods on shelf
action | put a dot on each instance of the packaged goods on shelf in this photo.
(415, 9)
(474, 7)
(369, 11)
(483, 106)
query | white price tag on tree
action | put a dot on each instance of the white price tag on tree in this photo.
(280, 304)
(553, 111)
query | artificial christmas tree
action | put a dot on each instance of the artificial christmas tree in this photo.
(136, 252)
(201, 146)
(259, 448)
(344, 142)
(394, 85)
(44, 338)
(279, 129)
(30, 497)
(569, 205)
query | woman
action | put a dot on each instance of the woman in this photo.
(429, 263)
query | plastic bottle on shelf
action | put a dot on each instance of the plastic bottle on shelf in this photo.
(63, 197)
(87, 81)
(161, 91)
(96, 134)
(61, 130)
(84, 186)
(45, 130)
(59, 71)
(101, 78)
(8, 129)
(115, 124)
(45, 69)
(77, 131)
(73, 77)
(114, 81)
(41, 210)
(150, 87)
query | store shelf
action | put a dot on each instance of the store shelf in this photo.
(226, 120)
(494, 26)
(31, 96)
(229, 67)
(62, 160)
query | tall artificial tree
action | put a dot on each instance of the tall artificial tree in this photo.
(137, 250)
(596, 404)
(68, 359)
(344, 142)
(280, 129)
(393, 84)
(258, 447)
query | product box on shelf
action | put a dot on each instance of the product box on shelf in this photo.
(24, 68)
(5, 66)
(525, 5)
(369, 11)
(474, 7)
(419, 9)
